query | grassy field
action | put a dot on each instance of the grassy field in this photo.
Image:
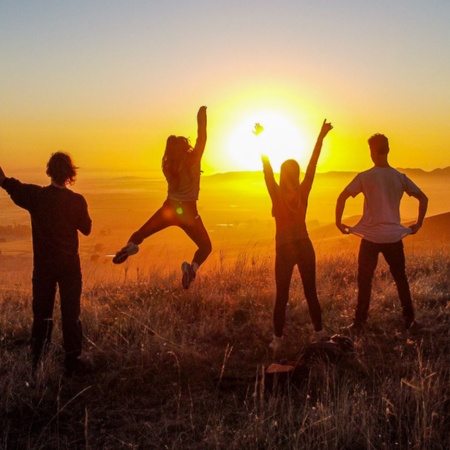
(184, 369)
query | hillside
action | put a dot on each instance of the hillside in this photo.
(249, 175)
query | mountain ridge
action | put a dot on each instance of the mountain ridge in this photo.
(441, 172)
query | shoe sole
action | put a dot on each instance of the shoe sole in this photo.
(120, 258)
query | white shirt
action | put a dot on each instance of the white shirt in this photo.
(383, 188)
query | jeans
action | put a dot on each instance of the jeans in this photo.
(367, 263)
(44, 291)
(183, 215)
(301, 254)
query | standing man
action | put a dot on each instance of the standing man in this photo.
(380, 227)
(57, 214)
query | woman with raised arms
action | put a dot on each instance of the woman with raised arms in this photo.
(293, 246)
(181, 167)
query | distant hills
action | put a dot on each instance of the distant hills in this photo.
(435, 229)
(445, 172)
(410, 172)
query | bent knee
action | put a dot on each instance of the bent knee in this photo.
(207, 247)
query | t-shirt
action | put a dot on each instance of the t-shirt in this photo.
(56, 216)
(383, 188)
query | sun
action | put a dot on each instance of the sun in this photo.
(281, 139)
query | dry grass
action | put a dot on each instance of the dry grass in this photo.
(180, 370)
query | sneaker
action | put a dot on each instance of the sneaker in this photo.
(188, 275)
(125, 252)
(276, 344)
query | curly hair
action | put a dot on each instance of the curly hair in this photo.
(61, 168)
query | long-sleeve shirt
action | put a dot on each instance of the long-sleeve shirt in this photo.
(56, 217)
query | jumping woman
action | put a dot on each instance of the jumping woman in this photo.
(293, 245)
(181, 167)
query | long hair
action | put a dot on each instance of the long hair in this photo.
(61, 168)
(175, 156)
(290, 174)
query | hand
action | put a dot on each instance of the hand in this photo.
(265, 159)
(344, 229)
(258, 129)
(2, 176)
(326, 127)
(415, 228)
(202, 111)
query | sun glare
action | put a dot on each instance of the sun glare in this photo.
(281, 139)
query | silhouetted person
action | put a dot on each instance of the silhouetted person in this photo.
(181, 167)
(380, 227)
(57, 214)
(293, 245)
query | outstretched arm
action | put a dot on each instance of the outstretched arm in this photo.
(21, 194)
(311, 169)
(423, 205)
(201, 132)
(340, 205)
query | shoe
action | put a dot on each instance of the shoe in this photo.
(125, 252)
(321, 335)
(188, 275)
(276, 344)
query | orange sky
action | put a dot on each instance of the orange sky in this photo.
(109, 81)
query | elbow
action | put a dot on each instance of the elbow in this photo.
(423, 200)
(341, 199)
(86, 230)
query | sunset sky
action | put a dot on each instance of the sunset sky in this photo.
(109, 80)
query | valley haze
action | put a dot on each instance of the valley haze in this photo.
(234, 206)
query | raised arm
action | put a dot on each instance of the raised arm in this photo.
(201, 132)
(340, 205)
(269, 178)
(423, 205)
(311, 169)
